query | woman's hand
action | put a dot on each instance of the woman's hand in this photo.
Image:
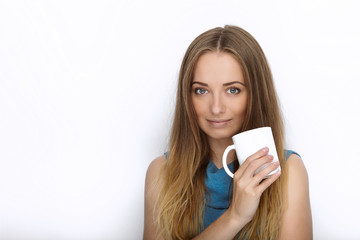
(249, 186)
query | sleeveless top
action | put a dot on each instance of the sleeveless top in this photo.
(219, 190)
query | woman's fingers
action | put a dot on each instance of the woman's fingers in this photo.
(251, 168)
(248, 173)
(246, 176)
(262, 152)
(250, 161)
(257, 164)
(267, 182)
(263, 173)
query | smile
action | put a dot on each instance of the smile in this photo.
(219, 123)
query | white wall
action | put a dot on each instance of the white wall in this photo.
(87, 92)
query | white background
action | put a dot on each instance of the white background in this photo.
(87, 94)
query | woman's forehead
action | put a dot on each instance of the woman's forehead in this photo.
(218, 67)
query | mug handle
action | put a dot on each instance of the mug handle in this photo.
(227, 150)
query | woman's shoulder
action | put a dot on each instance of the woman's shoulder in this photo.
(152, 181)
(298, 179)
(154, 168)
(152, 190)
(296, 168)
(294, 161)
(295, 165)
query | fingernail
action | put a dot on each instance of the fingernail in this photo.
(270, 157)
(265, 149)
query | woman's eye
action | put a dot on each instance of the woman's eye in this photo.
(200, 91)
(233, 90)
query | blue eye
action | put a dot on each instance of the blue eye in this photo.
(233, 90)
(200, 91)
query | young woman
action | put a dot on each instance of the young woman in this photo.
(225, 87)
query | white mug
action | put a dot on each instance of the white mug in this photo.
(249, 142)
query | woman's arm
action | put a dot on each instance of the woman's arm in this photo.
(152, 189)
(297, 221)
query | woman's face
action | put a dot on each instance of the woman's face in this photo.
(219, 95)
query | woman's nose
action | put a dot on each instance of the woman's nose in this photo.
(217, 105)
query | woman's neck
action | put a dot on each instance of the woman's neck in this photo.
(218, 147)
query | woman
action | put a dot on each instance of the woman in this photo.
(225, 87)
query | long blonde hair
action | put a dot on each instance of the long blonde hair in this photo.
(182, 197)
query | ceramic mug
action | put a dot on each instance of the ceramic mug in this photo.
(249, 142)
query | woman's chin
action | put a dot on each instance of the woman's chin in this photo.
(220, 137)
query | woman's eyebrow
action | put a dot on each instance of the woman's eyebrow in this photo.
(200, 83)
(230, 83)
(225, 84)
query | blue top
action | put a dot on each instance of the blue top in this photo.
(219, 190)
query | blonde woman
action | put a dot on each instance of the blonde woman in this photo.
(225, 87)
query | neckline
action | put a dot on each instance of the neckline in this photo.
(218, 169)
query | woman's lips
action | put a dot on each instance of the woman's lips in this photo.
(219, 123)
